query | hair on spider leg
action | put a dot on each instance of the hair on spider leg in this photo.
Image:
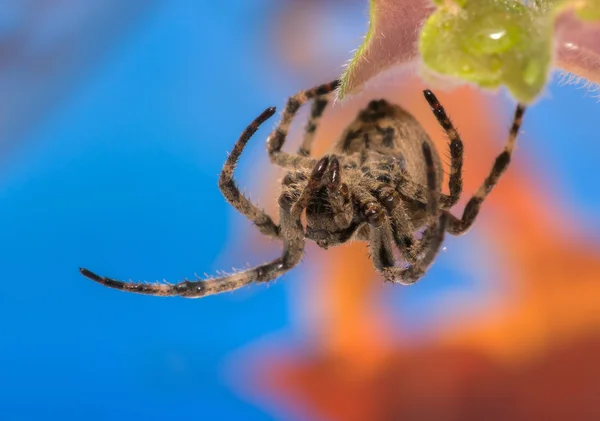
(381, 182)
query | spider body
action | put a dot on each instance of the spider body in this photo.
(381, 183)
(376, 152)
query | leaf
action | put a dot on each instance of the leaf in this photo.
(391, 40)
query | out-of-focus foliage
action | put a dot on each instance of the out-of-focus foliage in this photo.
(487, 42)
(586, 9)
(490, 43)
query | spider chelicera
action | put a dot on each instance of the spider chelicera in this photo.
(380, 183)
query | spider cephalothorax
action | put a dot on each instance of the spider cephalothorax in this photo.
(381, 183)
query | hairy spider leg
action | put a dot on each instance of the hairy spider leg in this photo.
(389, 172)
(456, 150)
(426, 249)
(379, 181)
(231, 191)
(293, 249)
(460, 226)
(277, 138)
(244, 206)
(316, 111)
(381, 239)
(402, 228)
(433, 236)
(291, 232)
(367, 206)
(383, 258)
(402, 231)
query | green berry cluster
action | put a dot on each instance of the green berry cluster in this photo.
(497, 42)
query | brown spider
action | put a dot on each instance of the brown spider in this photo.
(381, 183)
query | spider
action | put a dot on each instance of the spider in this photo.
(380, 183)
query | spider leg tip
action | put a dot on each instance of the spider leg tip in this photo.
(89, 274)
(270, 111)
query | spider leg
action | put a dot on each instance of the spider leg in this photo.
(231, 191)
(277, 138)
(433, 236)
(293, 249)
(402, 231)
(402, 227)
(388, 172)
(460, 226)
(291, 232)
(456, 149)
(383, 258)
(429, 244)
(412, 191)
(368, 206)
(316, 111)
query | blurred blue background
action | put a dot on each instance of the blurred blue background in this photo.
(115, 121)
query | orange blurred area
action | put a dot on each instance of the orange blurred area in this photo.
(528, 353)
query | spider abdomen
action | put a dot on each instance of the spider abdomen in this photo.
(386, 129)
